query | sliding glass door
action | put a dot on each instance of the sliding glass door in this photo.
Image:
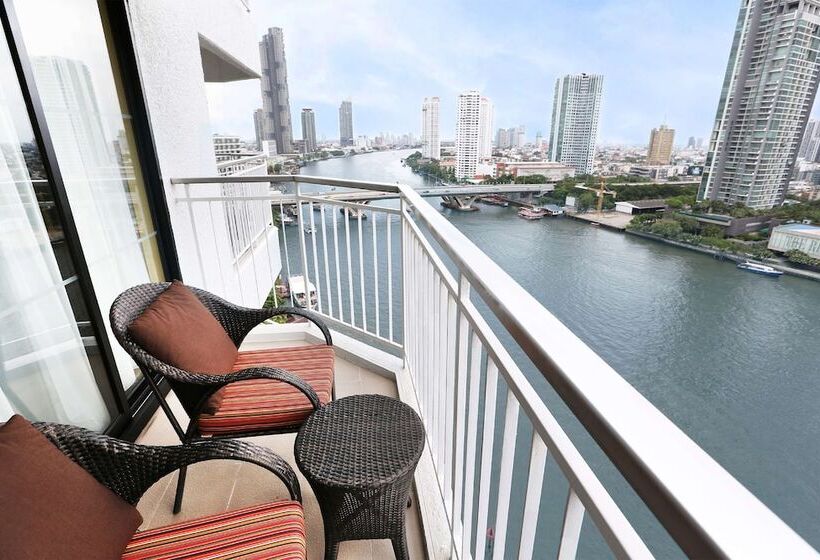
(76, 225)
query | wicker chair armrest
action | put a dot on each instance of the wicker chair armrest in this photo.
(216, 382)
(129, 469)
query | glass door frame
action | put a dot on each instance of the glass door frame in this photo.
(132, 408)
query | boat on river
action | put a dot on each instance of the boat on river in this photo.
(758, 268)
(532, 213)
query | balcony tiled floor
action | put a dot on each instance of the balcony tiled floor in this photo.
(217, 486)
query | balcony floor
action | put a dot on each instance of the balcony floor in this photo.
(218, 486)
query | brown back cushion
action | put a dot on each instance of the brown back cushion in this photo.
(177, 329)
(50, 507)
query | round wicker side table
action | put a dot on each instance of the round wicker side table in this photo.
(359, 453)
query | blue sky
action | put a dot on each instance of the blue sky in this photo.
(663, 61)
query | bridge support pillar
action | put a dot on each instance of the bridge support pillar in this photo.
(460, 203)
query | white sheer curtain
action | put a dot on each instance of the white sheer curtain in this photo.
(44, 370)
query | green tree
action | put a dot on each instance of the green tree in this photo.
(671, 229)
(714, 231)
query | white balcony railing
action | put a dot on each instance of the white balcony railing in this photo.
(402, 278)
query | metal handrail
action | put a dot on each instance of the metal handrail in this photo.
(703, 507)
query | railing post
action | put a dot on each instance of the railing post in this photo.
(405, 268)
(301, 225)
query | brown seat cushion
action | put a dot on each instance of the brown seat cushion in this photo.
(50, 507)
(179, 330)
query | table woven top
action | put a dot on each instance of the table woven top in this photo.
(360, 441)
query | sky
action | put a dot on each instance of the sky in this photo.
(663, 61)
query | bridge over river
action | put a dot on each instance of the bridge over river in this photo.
(460, 197)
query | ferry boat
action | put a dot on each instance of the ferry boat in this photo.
(532, 213)
(297, 290)
(494, 200)
(758, 268)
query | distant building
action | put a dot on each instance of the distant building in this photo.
(308, 130)
(226, 148)
(655, 172)
(692, 143)
(576, 112)
(800, 237)
(485, 123)
(276, 123)
(430, 140)
(640, 206)
(661, 141)
(346, 123)
(502, 139)
(810, 145)
(768, 91)
(258, 127)
(552, 170)
(468, 133)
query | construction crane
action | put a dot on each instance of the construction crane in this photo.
(600, 192)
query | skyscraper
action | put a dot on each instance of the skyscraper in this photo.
(691, 143)
(346, 123)
(661, 141)
(502, 139)
(468, 132)
(810, 146)
(430, 141)
(259, 127)
(768, 92)
(276, 123)
(309, 130)
(576, 110)
(485, 135)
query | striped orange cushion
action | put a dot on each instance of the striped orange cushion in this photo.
(270, 531)
(260, 405)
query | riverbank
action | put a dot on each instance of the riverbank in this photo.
(721, 255)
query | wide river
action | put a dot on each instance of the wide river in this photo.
(731, 357)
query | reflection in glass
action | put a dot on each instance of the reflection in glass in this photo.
(45, 373)
(91, 132)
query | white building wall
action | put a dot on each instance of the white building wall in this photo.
(485, 120)
(430, 139)
(784, 240)
(467, 133)
(166, 38)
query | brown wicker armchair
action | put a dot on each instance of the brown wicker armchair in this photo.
(128, 470)
(269, 391)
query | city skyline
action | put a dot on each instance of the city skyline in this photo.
(388, 59)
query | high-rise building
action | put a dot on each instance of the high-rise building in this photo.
(485, 135)
(259, 127)
(346, 123)
(576, 111)
(308, 130)
(226, 147)
(502, 139)
(768, 92)
(276, 123)
(691, 144)
(810, 146)
(430, 140)
(468, 133)
(661, 141)
(538, 140)
(520, 135)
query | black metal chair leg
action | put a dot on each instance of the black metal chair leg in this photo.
(180, 489)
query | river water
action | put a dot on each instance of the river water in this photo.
(731, 357)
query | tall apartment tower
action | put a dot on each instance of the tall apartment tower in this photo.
(430, 140)
(346, 123)
(308, 130)
(276, 123)
(576, 111)
(768, 92)
(485, 119)
(661, 141)
(810, 146)
(259, 127)
(468, 133)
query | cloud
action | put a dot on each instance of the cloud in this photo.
(661, 60)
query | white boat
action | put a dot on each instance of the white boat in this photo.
(297, 290)
(758, 268)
